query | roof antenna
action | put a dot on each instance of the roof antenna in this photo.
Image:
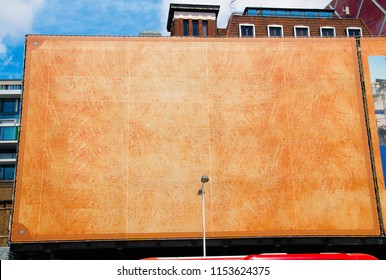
(231, 5)
(346, 10)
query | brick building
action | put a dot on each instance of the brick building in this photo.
(10, 95)
(193, 20)
(201, 21)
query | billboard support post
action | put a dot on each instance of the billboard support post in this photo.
(201, 192)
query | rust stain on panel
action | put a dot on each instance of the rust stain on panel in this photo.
(116, 133)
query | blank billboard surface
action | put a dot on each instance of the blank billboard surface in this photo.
(117, 132)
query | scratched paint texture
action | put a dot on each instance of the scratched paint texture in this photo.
(117, 132)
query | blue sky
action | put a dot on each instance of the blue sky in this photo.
(98, 17)
(377, 67)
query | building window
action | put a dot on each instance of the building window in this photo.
(195, 28)
(15, 87)
(247, 30)
(327, 31)
(205, 28)
(7, 172)
(9, 105)
(252, 12)
(354, 31)
(9, 109)
(186, 27)
(302, 31)
(275, 30)
(9, 133)
(7, 154)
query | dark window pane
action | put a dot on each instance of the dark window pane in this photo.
(247, 31)
(301, 32)
(8, 106)
(9, 172)
(327, 32)
(195, 27)
(186, 27)
(205, 28)
(274, 31)
(243, 32)
(354, 32)
(8, 133)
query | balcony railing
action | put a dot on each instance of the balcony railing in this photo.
(10, 91)
(10, 87)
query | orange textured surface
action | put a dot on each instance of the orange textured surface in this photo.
(117, 132)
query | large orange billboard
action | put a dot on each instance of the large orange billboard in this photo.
(117, 132)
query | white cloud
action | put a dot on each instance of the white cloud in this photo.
(16, 20)
(238, 6)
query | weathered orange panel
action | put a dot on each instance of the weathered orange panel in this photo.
(117, 132)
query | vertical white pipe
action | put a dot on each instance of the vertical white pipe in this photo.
(203, 221)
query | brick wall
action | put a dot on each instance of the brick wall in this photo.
(288, 24)
(222, 32)
(6, 188)
(212, 28)
(5, 211)
(178, 28)
(6, 191)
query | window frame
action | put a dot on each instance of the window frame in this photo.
(302, 26)
(275, 25)
(327, 27)
(354, 28)
(247, 24)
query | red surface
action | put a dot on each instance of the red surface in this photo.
(323, 256)
(326, 256)
(369, 13)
